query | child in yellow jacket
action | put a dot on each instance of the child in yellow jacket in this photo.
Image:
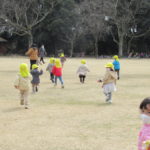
(22, 83)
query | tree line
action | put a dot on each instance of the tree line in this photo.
(92, 27)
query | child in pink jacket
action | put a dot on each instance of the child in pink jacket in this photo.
(144, 135)
(57, 72)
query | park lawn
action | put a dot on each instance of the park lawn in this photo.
(76, 117)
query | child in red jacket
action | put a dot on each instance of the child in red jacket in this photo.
(57, 71)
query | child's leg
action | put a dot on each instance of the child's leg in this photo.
(109, 97)
(36, 88)
(118, 76)
(83, 78)
(42, 59)
(61, 80)
(21, 98)
(52, 77)
(56, 80)
(26, 99)
(80, 76)
(33, 88)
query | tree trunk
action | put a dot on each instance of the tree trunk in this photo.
(71, 47)
(121, 44)
(129, 45)
(96, 47)
(30, 39)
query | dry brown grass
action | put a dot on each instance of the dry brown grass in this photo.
(74, 118)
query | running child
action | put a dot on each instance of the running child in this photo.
(109, 82)
(57, 71)
(82, 71)
(49, 68)
(22, 83)
(35, 77)
(116, 64)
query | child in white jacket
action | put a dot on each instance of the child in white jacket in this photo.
(82, 71)
(22, 83)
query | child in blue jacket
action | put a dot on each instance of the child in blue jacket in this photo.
(116, 64)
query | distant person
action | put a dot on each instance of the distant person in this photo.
(109, 82)
(116, 64)
(35, 77)
(50, 67)
(42, 53)
(82, 71)
(33, 55)
(22, 83)
(144, 135)
(62, 59)
(57, 72)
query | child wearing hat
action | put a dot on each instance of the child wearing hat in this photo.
(82, 71)
(116, 64)
(109, 82)
(35, 77)
(49, 68)
(144, 134)
(62, 59)
(22, 83)
(57, 71)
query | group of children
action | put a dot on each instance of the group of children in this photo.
(108, 84)
(55, 70)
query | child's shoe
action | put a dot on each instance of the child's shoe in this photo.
(26, 107)
(62, 87)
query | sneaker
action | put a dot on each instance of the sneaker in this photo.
(26, 107)
(109, 102)
(22, 102)
(62, 87)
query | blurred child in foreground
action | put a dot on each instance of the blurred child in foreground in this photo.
(144, 135)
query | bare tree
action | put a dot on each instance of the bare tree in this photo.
(22, 16)
(92, 14)
(125, 23)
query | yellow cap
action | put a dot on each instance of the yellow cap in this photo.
(52, 60)
(116, 57)
(34, 66)
(57, 63)
(83, 61)
(24, 72)
(146, 144)
(109, 65)
(62, 55)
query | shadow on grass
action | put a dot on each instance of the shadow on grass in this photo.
(13, 109)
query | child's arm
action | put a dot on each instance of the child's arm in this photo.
(28, 52)
(16, 83)
(41, 72)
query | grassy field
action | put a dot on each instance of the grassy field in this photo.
(77, 117)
